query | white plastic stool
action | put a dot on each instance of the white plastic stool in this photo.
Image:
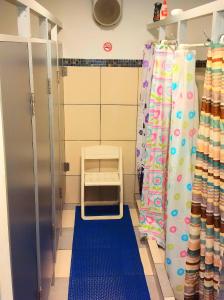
(101, 178)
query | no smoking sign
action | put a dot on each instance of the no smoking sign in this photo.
(107, 47)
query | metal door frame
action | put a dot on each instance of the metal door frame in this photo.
(6, 291)
(52, 134)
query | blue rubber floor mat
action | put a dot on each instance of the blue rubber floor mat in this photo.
(106, 264)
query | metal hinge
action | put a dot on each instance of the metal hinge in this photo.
(53, 231)
(54, 239)
(49, 86)
(66, 166)
(32, 104)
(60, 193)
(58, 76)
(64, 71)
(39, 292)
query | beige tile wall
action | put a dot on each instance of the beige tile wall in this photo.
(100, 108)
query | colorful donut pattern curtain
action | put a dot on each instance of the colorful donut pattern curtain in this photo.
(153, 201)
(182, 154)
(170, 132)
(206, 244)
(147, 67)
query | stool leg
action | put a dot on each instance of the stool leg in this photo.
(121, 202)
(82, 197)
(82, 186)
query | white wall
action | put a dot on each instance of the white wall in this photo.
(84, 39)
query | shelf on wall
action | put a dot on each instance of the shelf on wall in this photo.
(197, 12)
(215, 8)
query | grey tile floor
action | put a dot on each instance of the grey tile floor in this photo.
(60, 289)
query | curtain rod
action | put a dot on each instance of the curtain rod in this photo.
(193, 45)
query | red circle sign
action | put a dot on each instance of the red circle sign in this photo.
(107, 46)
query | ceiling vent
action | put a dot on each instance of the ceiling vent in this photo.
(107, 13)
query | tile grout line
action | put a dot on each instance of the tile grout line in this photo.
(99, 104)
(75, 175)
(99, 140)
(99, 191)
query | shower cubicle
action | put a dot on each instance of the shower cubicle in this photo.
(32, 183)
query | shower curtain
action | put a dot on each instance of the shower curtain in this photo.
(153, 200)
(221, 292)
(182, 154)
(206, 243)
(147, 67)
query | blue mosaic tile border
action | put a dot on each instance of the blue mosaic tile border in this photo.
(101, 62)
(111, 62)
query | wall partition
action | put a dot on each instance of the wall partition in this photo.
(32, 154)
(14, 72)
